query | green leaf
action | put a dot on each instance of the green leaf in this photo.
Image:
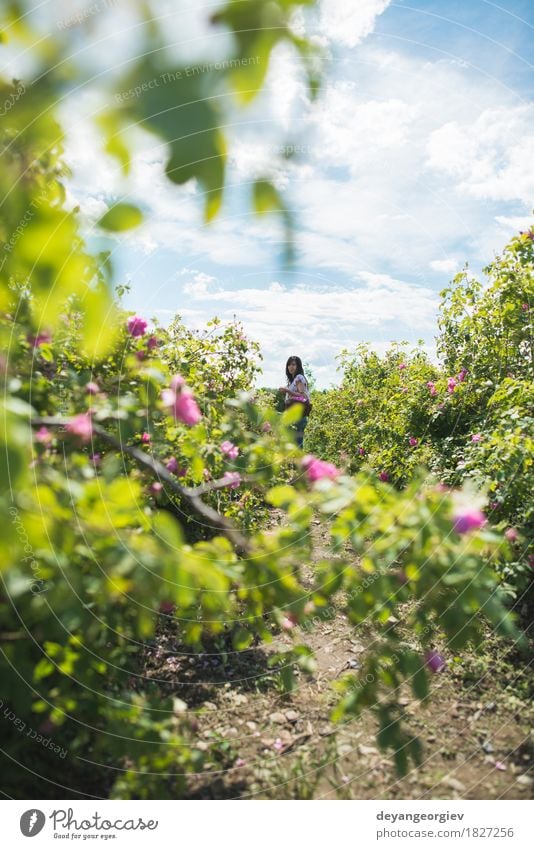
(281, 496)
(241, 639)
(122, 216)
(266, 198)
(293, 414)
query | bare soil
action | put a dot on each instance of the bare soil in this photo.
(259, 742)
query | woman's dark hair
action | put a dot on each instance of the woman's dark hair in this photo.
(300, 370)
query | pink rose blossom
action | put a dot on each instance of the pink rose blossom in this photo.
(166, 607)
(43, 436)
(140, 355)
(92, 388)
(136, 326)
(318, 469)
(434, 661)
(361, 451)
(451, 385)
(525, 307)
(232, 479)
(432, 387)
(413, 441)
(462, 375)
(266, 427)
(181, 403)
(476, 437)
(289, 621)
(145, 438)
(172, 465)
(278, 745)
(384, 476)
(229, 449)
(402, 366)
(81, 427)
(42, 338)
(156, 488)
(500, 766)
(152, 342)
(95, 459)
(240, 762)
(511, 535)
(468, 520)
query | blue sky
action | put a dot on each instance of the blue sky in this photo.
(418, 157)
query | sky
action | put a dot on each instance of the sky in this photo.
(417, 157)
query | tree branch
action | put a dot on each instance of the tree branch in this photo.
(191, 497)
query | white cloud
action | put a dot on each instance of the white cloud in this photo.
(348, 22)
(447, 266)
(491, 156)
(318, 320)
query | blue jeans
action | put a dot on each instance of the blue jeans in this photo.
(299, 430)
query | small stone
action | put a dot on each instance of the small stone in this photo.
(524, 780)
(292, 715)
(278, 718)
(251, 725)
(453, 783)
(367, 750)
(487, 747)
(209, 706)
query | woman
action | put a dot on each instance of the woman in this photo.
(296, 391)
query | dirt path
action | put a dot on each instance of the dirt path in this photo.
(476, 729)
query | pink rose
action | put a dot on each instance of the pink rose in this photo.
(413, 441)
(42, 338)
(462, 375)
(136, 326)
(172, 465)
(434, 661)
(232, 479)
(289, 621)
(384, 476)
(468, 520)
(145, 438)
(43, 436)
(318, 469)
(476, 437)
(92, 388)
(81, 427)
(525, 307)
(156, 488)
(181, 403)
(451, 385)
(361, 451)
(432, 387)
(229, 449)
(152, 342)
(402, 366)
(511, 535)
(266, 427)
